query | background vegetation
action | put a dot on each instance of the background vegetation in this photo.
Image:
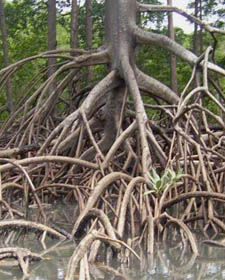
(28, 35)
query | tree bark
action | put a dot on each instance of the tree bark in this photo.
(200, 31)
(196, 38)
(173, 73)
(74, 25)
(89, 34)
(120, 19)
(74, 41)
(52, 43)
(5, 54)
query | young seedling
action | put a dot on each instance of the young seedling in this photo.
(160, 184)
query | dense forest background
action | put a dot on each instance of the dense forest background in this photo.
(28, 30)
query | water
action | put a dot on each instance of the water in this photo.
(56, 257)
(171, 261)
(168, 263)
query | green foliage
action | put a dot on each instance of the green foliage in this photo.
(220, 54)
(98, 10)
(27, 27)
(152, 20)
(208, 7)
(27, 36)
(212, 11)
(160, 184)
(63, 38)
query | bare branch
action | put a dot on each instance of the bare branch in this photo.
(43, 55)
(159, 8)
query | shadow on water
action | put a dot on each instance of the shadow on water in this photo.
(169, 263)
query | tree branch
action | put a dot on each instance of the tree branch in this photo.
(159, 8)
(154, 87)
(44, 55)
(147, 37)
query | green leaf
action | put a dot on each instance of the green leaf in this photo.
(149, 192)
(179, 173)
(155, 174)
(158, 184)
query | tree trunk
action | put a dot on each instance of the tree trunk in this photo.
(74, 42)
(51, 38)
(196, 26)
(201, 30)
(74, 25)
(173, 73)
(89, 35)
(198, 40)
(5, 54)
(120, 17)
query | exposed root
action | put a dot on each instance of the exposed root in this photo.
(79, 253)
(24, 256)
(83, 247)
(43, 159)
(105, 221)
(186, 231)
(98, 190)
(98, 148)
(16, 224)
(155, 88)
(140, 114)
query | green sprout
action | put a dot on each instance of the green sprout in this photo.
(160, 184)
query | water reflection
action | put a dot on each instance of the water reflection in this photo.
(169, 263)
(174, 264)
